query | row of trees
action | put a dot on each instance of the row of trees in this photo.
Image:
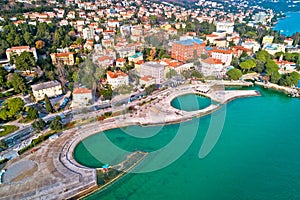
(42, 35)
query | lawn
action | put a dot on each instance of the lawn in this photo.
(7, 129)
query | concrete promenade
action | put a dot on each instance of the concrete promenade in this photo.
(59, 176)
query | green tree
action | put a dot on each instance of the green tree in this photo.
(289, 79)
(106, 92)
(48, 105)
(43, 32)
(186, 74)
(56, 124)
(196, 74)
(275, 77)
(171, 73)
(39, 124)
(3, 144)
(271, 66)
(3, 75)
(18, 82)
(33, 113)
(18, 40)
(25, 61)
(263, 55)
(28, 38)
(150, 89)
(3, 46)
(234, 74)
(247, 65)
(260, 66)
(11, 108)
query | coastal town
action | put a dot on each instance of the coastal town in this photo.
(73, 68)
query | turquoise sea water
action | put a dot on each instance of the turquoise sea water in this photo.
(180, 102)
(256, 157)
(289, 25)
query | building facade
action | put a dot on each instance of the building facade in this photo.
(226, 26)
(184, 50)
(212, 67)
(224, 55)
(147, 81)
(267, 39)
(117, 78)
(82, 97)
(65, 58)
(50, 88)
(20, 49)
(154, 69)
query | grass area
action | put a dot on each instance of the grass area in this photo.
(7, 129)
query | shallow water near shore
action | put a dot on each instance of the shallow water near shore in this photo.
(256, 157)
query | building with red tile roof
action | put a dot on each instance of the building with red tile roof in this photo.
(17, 50)
(117, 78)
(65, 58)
(212, 67)
(82, 97)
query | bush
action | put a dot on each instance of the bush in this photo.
(3, 161)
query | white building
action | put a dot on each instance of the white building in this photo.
(224, 55)
(274, 48)
(212, 67)
(20, 49)
(88, 34)
(226, 26)
(154, 69)
(82, 97)
(113, 23)
(251, 44)
(116, 79)
(51, 89)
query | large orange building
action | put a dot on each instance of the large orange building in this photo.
(184, 50)
(65, 58)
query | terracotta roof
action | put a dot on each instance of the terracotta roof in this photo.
(108, 31)
(104, 58)
(139, 62)
(81, 91)
(121, 60)
(212, 61)
(240, 48)
(116, 74)
(222, 51)
(211, 35)
(63, 54)
(289, 39)
(147, 78)
(20, 48)
(284, 62)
